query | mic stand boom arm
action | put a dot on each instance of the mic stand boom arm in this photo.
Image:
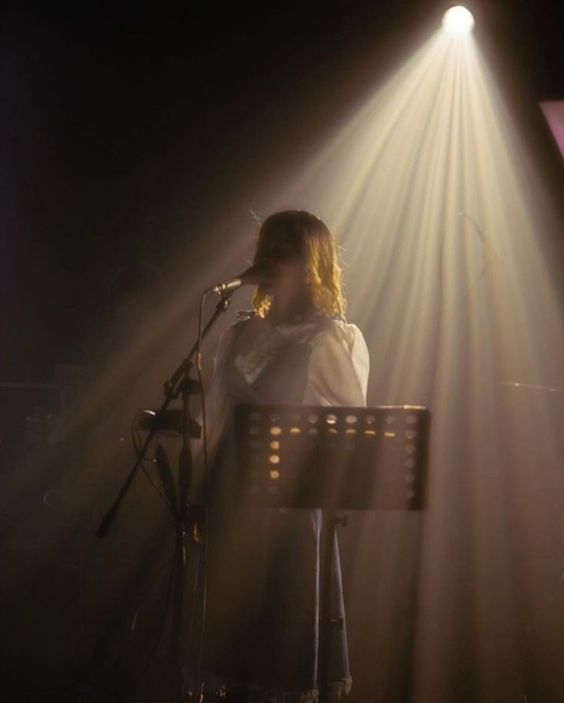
(178, 383)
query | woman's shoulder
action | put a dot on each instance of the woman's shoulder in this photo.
(244, 319)
(339, 365)
(229, 336)
(338, 334)
(247, 328)
(338, 329)
(317, 329)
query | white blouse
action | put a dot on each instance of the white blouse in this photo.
(337, 367)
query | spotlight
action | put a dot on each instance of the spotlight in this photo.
(458, 20)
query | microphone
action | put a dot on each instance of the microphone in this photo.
(252, 276)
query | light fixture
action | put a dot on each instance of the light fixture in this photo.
(458, 21)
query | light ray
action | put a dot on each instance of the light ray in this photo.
(442, 214)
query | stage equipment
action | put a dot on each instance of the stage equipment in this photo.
(458, 21)
(331, 458)
(180, 385)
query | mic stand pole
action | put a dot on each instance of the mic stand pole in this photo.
(178, 384)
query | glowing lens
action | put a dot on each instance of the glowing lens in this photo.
(458, 20)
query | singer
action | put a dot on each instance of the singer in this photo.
(295, 347)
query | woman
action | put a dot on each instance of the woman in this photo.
(263, 571)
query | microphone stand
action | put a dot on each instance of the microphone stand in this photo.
(179, 384)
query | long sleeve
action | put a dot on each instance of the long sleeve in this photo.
(217, 404)
(217, 411)
(338, 367)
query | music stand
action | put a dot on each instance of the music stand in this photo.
(331, 458)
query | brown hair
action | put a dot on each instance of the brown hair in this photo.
(299, 233)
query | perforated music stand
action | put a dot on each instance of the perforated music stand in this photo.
(331, 458)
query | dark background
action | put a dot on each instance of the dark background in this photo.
(131, 134)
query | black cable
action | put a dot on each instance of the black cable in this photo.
(154, 650)
(147, 592)
(204, 555)
(135, 438)
(110, 667)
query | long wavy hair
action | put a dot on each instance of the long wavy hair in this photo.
(297, 233)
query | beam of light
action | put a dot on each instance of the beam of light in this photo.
(54, 495)
(458, 21)
(449, 235)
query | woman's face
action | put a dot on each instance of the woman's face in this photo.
(285, 269)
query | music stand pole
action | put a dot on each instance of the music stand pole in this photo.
(329, 522)
(356, 459)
